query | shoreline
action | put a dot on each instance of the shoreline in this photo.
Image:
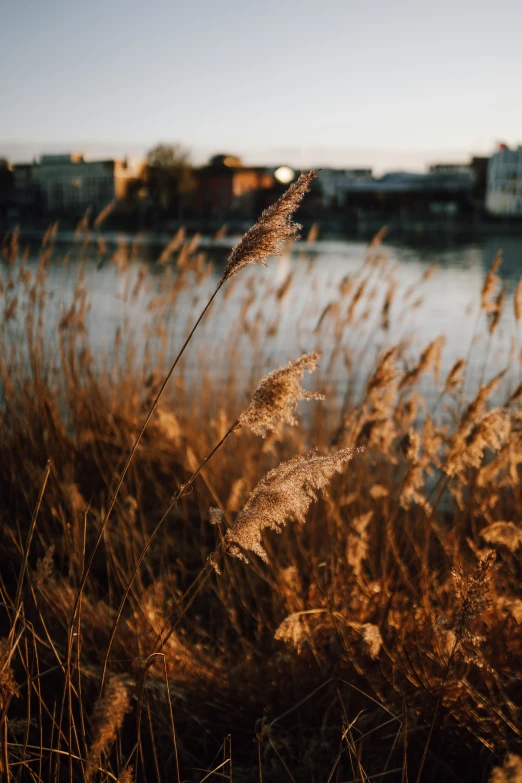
(396, 229)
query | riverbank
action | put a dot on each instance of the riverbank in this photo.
(338, 226)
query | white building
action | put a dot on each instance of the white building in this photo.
(71, 183)
(504, 187)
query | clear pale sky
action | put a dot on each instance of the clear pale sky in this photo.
(389, 83)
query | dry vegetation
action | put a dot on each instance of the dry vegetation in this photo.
(153, 627)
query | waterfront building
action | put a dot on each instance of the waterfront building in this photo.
(226, 186)
(70, 183)
(475, 172)
(504, 182)
(335, 184)
(450, 168)
(405, 195)
(26, 184)
(479, 167)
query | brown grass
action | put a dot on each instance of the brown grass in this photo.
(379, 633)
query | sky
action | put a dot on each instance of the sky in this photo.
(389, 84)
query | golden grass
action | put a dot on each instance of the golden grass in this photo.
(379, 634)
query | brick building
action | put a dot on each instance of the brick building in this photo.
(225, 186)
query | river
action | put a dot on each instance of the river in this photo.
(286, 315)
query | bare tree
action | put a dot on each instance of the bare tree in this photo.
(171, 176)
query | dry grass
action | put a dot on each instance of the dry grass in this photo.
(381, 632)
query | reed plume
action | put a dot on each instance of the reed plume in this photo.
(455, 376)
(274, 228)
(357, 545)
(488, 433)
(414, 477)
(127, 776)
(103, 215)
(372, 639)
(517, 301)
(384, 377)
(490, 284)
(285, 493)
(471, 441)
(8, 685)
(277, 396)
(509, 772)
(108, 714)
(429, 358)
(472, 438)
(503, 534)
(474, 596)
(175, 243)
(293, 631)
(385, 313)
(496, 308)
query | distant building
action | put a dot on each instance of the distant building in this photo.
(409, 194)
(504, 182)
(69, 183)
(396, 182)
(334, 184)
(450, 168)
(475, 172)
(479, 168)
(226, 186)
(26, 184)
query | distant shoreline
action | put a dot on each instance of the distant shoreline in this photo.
(330, 228)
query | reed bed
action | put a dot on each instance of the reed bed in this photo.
(214, 572)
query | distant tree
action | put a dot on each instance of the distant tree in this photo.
(171, 176)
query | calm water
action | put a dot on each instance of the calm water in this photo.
(445, 304)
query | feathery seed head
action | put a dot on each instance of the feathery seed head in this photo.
(489, 432)
(127, 776)
(215, 516)
(509, 772)
(429, 358)
(490, 284)
(44, 568)
(381, 387)
(275, 227)
(473, 593)
(277, 396)
(379, 491)
(496, 308)
(293, 631)
(503, 534)
(455, 376)
(372, 639)
(8, 686)
(103, 215)
(385, 313)
(357, 544)
(517, 301)
(109, 712)
(285, 493)
(476, 406)
(418, 464)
